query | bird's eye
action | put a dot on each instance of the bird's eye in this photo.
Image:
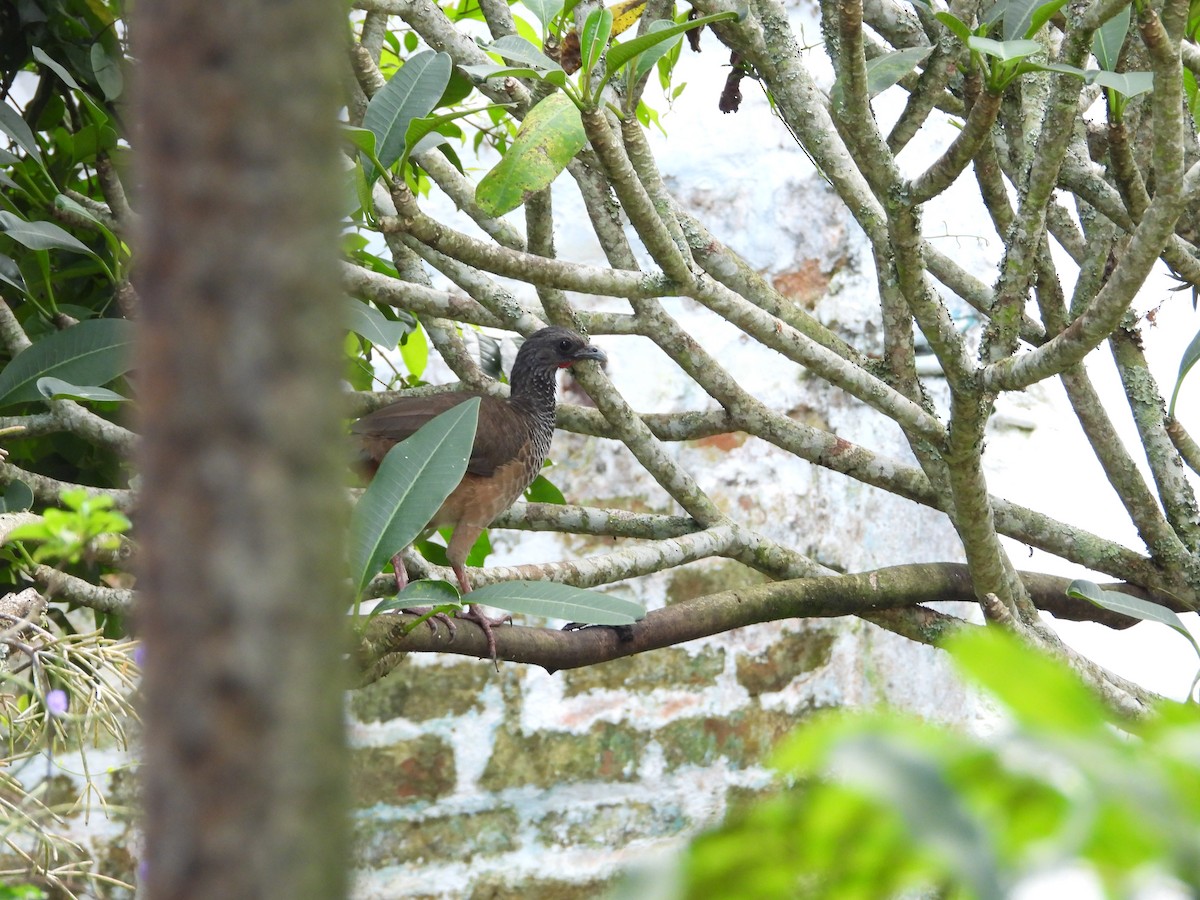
(564, 345)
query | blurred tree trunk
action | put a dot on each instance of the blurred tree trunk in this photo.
(240, 514)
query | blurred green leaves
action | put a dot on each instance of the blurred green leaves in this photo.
(879, 804)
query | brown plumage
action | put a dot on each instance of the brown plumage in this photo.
(511, 442)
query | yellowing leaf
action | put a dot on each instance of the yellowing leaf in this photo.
(549, 138)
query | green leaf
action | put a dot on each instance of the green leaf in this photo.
(17, 497)
(413, 480)
(18, 129)
(1190, 356)
(543, 490)
(484, 71)
(1017, 18)
(41, 56)
(41, 235)
(107, 71)
(93, 352)
(956, 25)
(1041, 15)
(915, 785)
(884, 71)
(548, 139)
(10, 273)
(1003, 50)
(1135, 607)
(621, 53)
(414, 350)
(411, 93)
(558, 601)
(649, 58)
(427, 592)
(1041, 692)
(544, 10)
(370, 323)
(1128, 84)
(1108, 40)
(420, 128)
(57, 389)
(516, 49)
(596, 31)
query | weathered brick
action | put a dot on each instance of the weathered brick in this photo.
(611, 824)
(493, 887)
(743, 738)
(791, 655)
(699, 579)
(381, 842)
(422, 768)
(644, 672)
(420, 693)
(606, 752)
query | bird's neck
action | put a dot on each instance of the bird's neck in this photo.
(532, 389)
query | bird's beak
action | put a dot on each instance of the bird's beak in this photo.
(592, 352)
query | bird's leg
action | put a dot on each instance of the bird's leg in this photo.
(473, 614)
(401, 574)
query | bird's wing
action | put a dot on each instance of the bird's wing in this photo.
(499, 435)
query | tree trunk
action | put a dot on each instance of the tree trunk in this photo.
(240, 517)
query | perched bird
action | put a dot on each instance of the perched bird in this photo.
(512, 439)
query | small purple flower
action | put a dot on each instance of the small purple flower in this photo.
(57, 702)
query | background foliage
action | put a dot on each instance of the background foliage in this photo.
(1078, 123)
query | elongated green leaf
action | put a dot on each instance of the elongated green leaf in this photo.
(108, 72)
(10, 273)
(1039, 691)
(1134, 607)
(544, 10)
(543, 490)
(516, 49)
(956, 25)
(621, 53)
(648, 58)
(1041, 15)
(93, 352)
(1107, 42)
(374, 326)
(57, 389)
(558, 601)
(1004, 50)
(596, 31)
(41, 235)
(1018, 14)
(549, 138)
(1190, 357)
(413, 480)
(18, 129)
(415, 352)
(484, 71)
(426, 592)
(418, 129)
(41, 56)
(411, 93)
(884, 71)
(17, 497)
(1129, 84)
(907, 779)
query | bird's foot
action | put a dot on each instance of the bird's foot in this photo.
(472, 614)
(441, 617)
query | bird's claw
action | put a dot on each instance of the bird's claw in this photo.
(440, 617)
(472, 614)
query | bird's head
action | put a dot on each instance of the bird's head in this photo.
(556, 348)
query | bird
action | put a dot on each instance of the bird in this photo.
(512, 439)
